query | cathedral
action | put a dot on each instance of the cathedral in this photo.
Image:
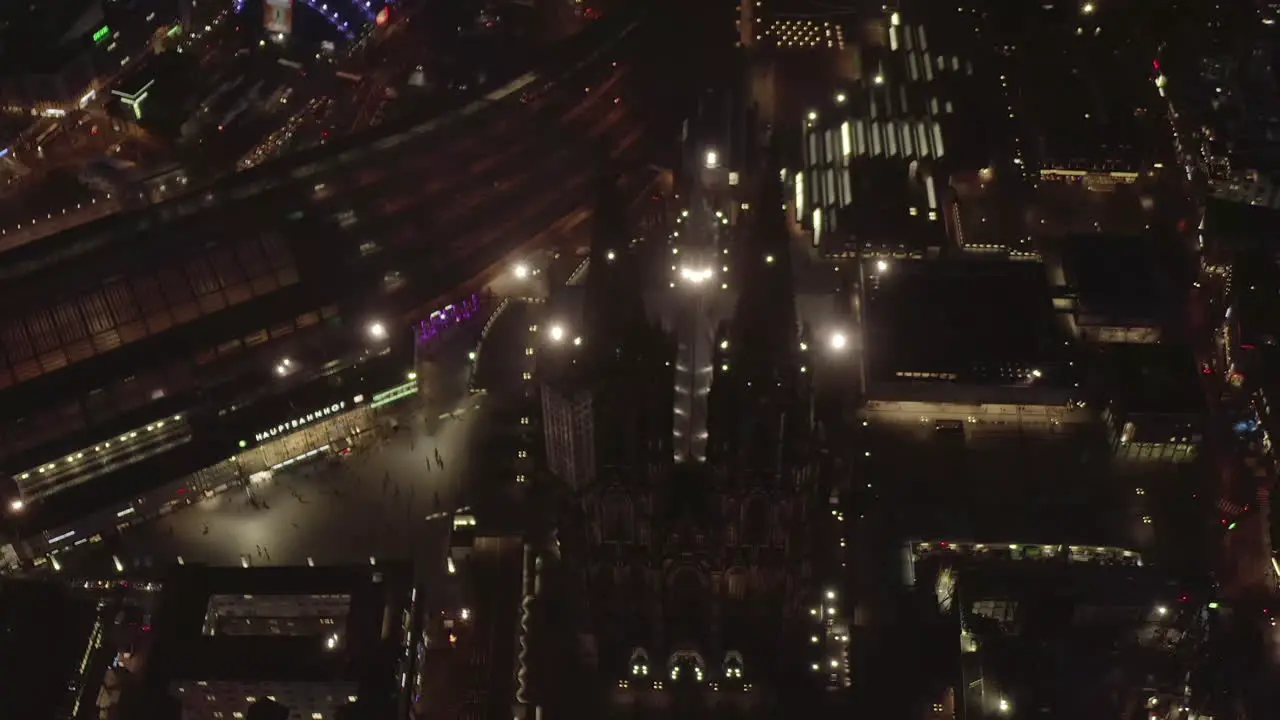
(681, 431)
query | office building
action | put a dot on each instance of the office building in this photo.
(880, 150)
(972, 348)
(1105, 614)
(321, 642)
(1155, 408)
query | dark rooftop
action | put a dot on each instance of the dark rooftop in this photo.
(883, 194)
(1078, 89)
(43, 635)
(39, 36)
(1120, 279)
(1038, 584)
(1240, 224)
(1161, 378)
(976, 322)
(183, 652)
(988, 482)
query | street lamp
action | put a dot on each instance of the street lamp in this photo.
(377, 330)
(521, 271)
(882, 266)
(17, 505)
(557, 333)
(1005, 707)
(838, 341)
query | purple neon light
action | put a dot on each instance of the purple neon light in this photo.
(331, 16)
(447, 317)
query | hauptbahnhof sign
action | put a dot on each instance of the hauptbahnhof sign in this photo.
(301, 421)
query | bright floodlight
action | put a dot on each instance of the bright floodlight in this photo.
(878, 79)
(841, 98)
(521, 271)
(882, 265)
(1004, 705)
(712, 160)
(1162, 611)
(839, 341)
(377, 331)
(1087, 8)
(557, 333)
(16, 504)
(696, 277)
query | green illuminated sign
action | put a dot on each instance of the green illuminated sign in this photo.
(391, 395)
(101, 34)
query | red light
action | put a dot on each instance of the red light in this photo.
(1155, 64)
(1247, 347)
(383, 16)
(182, 491)
(219, 128)
(944, 543)
(146, 628)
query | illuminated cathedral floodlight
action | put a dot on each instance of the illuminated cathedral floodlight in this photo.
(696, 276)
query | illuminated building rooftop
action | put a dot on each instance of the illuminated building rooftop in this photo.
(313, 639)
(972, 323)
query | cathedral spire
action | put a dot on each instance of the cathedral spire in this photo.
(759, 401)
(613, 308)
(764, 322)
